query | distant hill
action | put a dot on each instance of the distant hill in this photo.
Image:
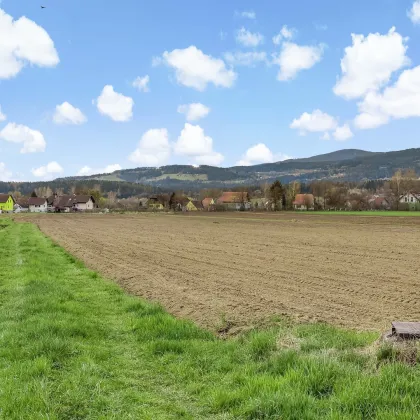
(338, 156)
(347, 165)
(342, 165)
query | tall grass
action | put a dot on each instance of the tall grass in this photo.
(75, 346)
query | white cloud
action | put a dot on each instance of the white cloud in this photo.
(195, 69)
(3, 117)
(249, 58)
(285, 33)
(402, 100)
(33, 141)
(142, 83)
(23, 42)
(326, 136)
(368, 64)
(115, 105)
(194, 111)
(68, 114)
(249, 39)
(414, 12)
(260, 153)
(317, 121)
(248, 14)
(343, 133)
(87, 170)
(153, 149)
(47, 171)
(194, 143)
(293, 58)
(5, 175)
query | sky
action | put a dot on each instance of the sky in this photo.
(95, 86)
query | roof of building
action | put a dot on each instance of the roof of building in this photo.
(36, 201)
(197, 203)
(4, 197)
(233, 197)
(207, 201)
(83, 198)
(23, 201)
(300, 199)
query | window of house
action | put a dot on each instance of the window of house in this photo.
(406, 199)
(412, 199)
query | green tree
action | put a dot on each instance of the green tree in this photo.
(276, 194)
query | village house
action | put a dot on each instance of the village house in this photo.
(379, 203)
(208, 202)
(21, 205)
(233, 200)
(194, 205)
(68, 203)
(6, 203)
(156, 202)
(410, 198)
(37, 205)
(304, 202)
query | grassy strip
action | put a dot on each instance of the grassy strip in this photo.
(366, 213)
(74, 346)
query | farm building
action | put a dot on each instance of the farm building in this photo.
(411, 200)
(37, 205)
(157, 202)
(233, 200)
(379, 203)
(304, 202)
(21, 205)
(6, 203)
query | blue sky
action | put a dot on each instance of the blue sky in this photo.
(93, 86)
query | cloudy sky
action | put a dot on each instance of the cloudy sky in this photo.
(94, 86)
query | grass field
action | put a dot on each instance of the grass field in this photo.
(368, 213)
(75, 346)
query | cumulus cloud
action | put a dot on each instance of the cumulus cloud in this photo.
(3, 117)
(115, 105)
(68, 114)
(249, 58)
(153, 149)
(249, 39)
(48, 171)
(317, 121)
(193, 143)
(142, 83)
(5, 175)
(285, 33)
(32, 140)
(294, 58)
(247, 14)
(414, 12)
(195, 69)
(23, 42)
(369, 62)
(194, 111)
(87, 170)
(260, 153)
(343, 133)
(401, 100)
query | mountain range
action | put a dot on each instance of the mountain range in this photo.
(345, 165)
(342, 165)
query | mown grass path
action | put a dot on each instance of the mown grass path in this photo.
(75, 346)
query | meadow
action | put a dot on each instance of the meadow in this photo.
(74, 345)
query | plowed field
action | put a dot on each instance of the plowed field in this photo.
(360, 272)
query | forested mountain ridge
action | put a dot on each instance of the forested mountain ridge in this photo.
(343, 165)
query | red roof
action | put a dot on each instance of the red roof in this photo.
(300, 199)
(233, 197)
(207, 201)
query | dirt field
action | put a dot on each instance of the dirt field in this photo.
(361, 272)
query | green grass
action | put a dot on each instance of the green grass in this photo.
(75, 346)
(366, 213)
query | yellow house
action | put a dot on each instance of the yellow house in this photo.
(155, 203)
(194, 205)
(6, 202)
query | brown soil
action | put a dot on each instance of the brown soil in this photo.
(360, 272)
